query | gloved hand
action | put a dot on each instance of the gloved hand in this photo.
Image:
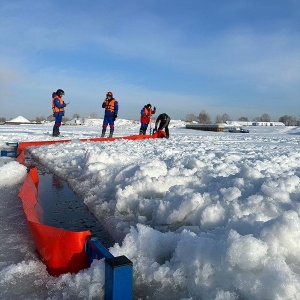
(115, 116)
(155, 129)
(154, 108)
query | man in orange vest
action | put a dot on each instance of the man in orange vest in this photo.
(146, 114)
(111, 106)
(58, 108)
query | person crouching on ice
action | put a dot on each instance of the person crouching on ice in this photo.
(162, 122)
(58, 108)
(111, 106)
(146, 114)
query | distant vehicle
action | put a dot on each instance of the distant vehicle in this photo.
(238, 130)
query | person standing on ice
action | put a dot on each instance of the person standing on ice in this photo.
(162, 122)
(146, 114)
(58, 108)
(111, 106)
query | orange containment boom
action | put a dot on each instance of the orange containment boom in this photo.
(158, 134)
(23, 145)
(61, 250)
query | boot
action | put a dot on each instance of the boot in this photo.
(103, 132)
(55, 132)
(111, 132)
(142, 131)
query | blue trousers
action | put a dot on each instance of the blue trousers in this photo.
(108, 120)
(58, 119)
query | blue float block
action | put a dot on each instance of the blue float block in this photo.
(9, 153)
(118, 278)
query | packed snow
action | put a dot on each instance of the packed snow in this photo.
(202, 215)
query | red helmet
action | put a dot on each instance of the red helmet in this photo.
(109, 94)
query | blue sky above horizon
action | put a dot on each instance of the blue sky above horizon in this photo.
(237, 57)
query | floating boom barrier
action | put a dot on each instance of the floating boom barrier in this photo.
(65, 251)
(23, 145)
(61, 250)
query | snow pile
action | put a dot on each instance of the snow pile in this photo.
(93, 122)
(126, 124)
(19, 119)
(202, 215)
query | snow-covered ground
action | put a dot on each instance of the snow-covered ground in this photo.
(202, 215)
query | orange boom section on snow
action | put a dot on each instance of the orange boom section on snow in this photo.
(23, 145)
(61, 250)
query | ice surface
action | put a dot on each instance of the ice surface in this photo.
(202, 215)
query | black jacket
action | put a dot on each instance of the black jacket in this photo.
(164, 121)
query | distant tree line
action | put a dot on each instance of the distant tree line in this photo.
(204, 118)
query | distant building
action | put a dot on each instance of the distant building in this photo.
(76, 121)
(254, 123)
(232, 126)
(84, 121)
(268, 124)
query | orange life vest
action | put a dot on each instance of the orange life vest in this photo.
(147, 112)
(146, 115)
(110, 105)
(55, 108)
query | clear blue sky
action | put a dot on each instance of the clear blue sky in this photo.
(238, 57)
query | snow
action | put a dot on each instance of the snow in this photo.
(202, 215)
(19, 119)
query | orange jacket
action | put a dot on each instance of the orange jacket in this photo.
(146, 114)
(61, 102)
(110, 105)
